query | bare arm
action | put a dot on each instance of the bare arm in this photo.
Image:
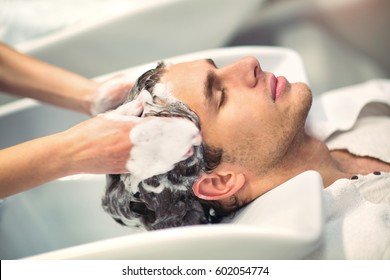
(95, 146)
(25, 76)
(100, 145)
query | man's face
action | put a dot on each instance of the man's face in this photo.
(253, 116)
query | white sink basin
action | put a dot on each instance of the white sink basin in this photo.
(282, 224)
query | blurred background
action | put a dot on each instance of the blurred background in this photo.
(341, 42)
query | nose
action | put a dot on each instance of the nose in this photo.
(245, 72)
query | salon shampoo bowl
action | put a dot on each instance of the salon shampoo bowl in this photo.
(142, 32)
(66, 213)
(285, 223)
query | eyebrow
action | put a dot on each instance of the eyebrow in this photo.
(211, 62)
(210, 80)
(208, 86)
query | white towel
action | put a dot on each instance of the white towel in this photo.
(339, 109)
(370, 136)
(355, 228)
(357, 211)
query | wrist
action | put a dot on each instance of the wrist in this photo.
(60, 152)
(70, 147)
(89, 96)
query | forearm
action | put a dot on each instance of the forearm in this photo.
(33, 163)
(99, 145)
(25, 76)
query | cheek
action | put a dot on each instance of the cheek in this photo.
(249, 118)
(251, 137)
(235, 127)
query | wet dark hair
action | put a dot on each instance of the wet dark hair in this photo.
(175, 205)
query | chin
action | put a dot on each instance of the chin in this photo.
(301, 87)
(303, 93)
(302, 103)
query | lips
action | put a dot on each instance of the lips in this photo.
(273, 82)
(278, 85)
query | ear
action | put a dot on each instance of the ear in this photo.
(218, 185)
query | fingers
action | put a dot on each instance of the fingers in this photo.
(133, 108)
(127, 112)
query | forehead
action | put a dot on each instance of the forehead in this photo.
(186, 81)
(187, 70)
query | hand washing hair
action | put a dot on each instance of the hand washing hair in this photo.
(163, 200)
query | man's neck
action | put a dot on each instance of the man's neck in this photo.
(313, 154)
(306, 153)
(309, 153)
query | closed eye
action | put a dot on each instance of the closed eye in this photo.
(222, 99)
